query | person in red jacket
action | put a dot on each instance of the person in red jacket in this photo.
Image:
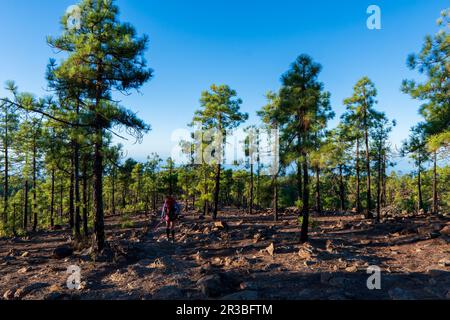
(170, 214)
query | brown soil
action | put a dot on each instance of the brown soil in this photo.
(412, 252)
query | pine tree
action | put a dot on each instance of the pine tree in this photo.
(362, 114)
(268, 115)
(9, 124)
(103, 54)
(434, 63)
(302, 105)
(250, 155)
(219, 109)
(416, 148)
(340, 145)
(380, 134)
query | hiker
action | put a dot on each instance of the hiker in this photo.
(170, 213)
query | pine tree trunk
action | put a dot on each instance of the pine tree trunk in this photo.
(99, 224)
(384, 192)
(435, 182)
(258, 181)
(206, 209)
(61, 200)
(318, 195)
(186, 200)
(217, 192)
(299, 179)
(25, 207)
(35, 211)
(205, 190)
(219, 171)
(275, 198)
(251, 189)
(89, 198)
(14, 220)
(419, 186)
(379, 185)
(6, 186)
(85, 198)
(123, 196)
(113, 191)
(369, 194)
(341, 189)
(52, 200)
(76, 174)
(72, 199)
(305, 211)
(358, 180)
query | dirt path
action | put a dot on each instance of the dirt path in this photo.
(230, 260)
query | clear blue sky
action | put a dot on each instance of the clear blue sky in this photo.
(246, 44)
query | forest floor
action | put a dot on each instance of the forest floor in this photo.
(243, 257)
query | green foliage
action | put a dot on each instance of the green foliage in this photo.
(220, 108)
(299, 204)
(434, 63)
(312, 223)
(54, 151)
(126, 222)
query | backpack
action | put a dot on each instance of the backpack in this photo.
(171, 209)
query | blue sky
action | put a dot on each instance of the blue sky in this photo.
(246, 44)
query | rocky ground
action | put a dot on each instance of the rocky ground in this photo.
(240, 257)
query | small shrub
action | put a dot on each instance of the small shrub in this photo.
(126, 223)
(312, 223)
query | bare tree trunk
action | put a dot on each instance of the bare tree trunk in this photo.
(72, 199)
(217, 192)
(275, 198)
(61, 200)
(113, 190)
(89, 199)
(99, 224)
(379, 184)
(419, 186)
(206, 204)
(305, 226)
(124, 195)
(358, 198)
(186, 200)
(52, 201)
(35, 211)
(76, 175)
(318, 195)
(369, 194)
(206, 209)
(85, 198)
(25, 207)
(299, 179)
(384, 192)
(14, 220)
(435, 183)
(251, 188)
(258, 184)
(341, 189)
(6, 187)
